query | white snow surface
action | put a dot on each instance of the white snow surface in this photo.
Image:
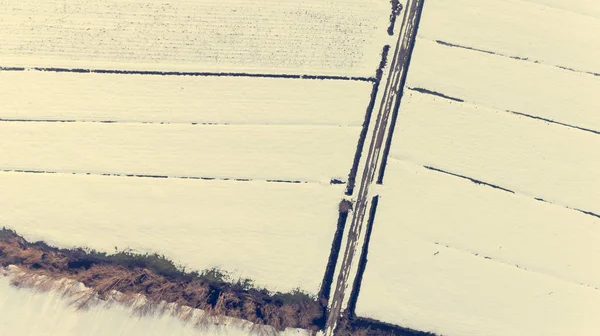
(558, 37)
(527, 156)
(311, 153)
(276, 234)
(428, 265)
(334, 37)
(35, 95)
(507, 84)
(29, 312)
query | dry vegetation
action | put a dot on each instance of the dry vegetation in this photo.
(150, 284)
(159, 281)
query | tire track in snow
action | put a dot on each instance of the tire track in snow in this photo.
(189, 74)
(386, 117)
(154, 176)
(454, 45)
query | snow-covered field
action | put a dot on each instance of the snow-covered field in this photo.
(91, 130)
(308, 153)
(49, 314)
(257, 229)
(332, 37)
(510, 254)
(525, 155)
(35, 95)
(506, 84)
(456, 258)
(532, 29)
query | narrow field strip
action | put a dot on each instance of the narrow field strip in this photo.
(507, 85)
(441, 95)
(523, 29)
(49, 96)
(291, 153)
(453, 45)
(523, 268)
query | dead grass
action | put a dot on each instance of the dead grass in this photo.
(153, 285)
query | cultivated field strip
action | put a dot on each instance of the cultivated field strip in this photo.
(32, 95)
(531, 158)
(518, 28)
(332, 37)
(252, 152)
(489, 79)
(267, 225)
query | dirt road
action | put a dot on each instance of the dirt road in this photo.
(374, 162)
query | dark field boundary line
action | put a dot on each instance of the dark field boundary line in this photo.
(527, 59)
(33, 171)
(365, 127)
(325, 290)
(362, 263)
(479, 182)
(435, 93)
(394, 117)
(188, 74)
(441, 95)
(554, 122)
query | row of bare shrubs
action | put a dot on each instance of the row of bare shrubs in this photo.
(159, 279)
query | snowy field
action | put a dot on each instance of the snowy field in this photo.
(511, 255)
(81, 151)
(506, 84)
(307, 153)
(255, 229)
(331, 37)
(34, 95)
(540, 30)
(48, 314)
(456, 258)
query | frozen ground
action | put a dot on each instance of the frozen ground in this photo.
(35, 95)
(275, 233)
(456, 258)
(341, 37)
(504, 84)
(47, 314)
(308, 153)
(509, 254)
(553, 36)
(527, 156)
